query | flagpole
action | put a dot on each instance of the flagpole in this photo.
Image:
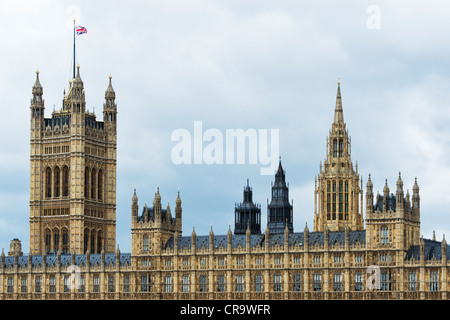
(73, 48)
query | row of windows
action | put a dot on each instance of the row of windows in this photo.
(56, 211)
(95, 151)
(57, 149)
(221, 261)
(56, 239)
(337, 200)
(186, 286)
(338, 148)
(57, 182)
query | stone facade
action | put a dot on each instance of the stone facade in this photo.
(339, 259)
(73, 174)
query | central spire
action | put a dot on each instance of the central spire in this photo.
(338, 111)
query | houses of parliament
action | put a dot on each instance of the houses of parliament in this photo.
(73, 253)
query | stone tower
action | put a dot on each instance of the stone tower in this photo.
(155, 226)
(338, 189)
(73, 174)
(247, 214)
(279, 210)
(392, 220)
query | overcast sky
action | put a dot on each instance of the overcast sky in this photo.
(235, 64)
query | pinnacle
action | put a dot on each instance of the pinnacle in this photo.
(338, 112)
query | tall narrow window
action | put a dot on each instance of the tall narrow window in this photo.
(55, 240)
(317, 282)
(239, 283)
(221, 283)
(341, 148)
(185, 283)
(328, 200)
(100, 185)
(346, 200)
(86, 240)
(412, 281)
(358, 281)
(145, 243)
(277, 282)
(57, 184)
(203, 283)
(48, 182)
(86, 182)
(334, 200)
(96, 284)
(99, 241)
(341, 200)
(258, 283)
(111, 287)
(384, 235)
(168, 284)
(65, 181)
(297, 282)
(335, 148)
(434, 281)
(93, 188)
(337, 284)
(65, 241)
(92, 241)
(48, 240)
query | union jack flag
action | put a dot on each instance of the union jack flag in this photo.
(81, 30)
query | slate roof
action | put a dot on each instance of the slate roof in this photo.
(274, 239)
(433, 249)
(66, 260)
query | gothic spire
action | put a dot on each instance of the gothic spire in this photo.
(338, 111)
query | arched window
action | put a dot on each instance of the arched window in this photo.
(93, 235)
(65, 240)
(93, 187)
(48, 182)
(328, 200)
(341, 199)
(57, 182)
(335, 148)
(99, 241)
(55, 240)
(86, 182)
(65, 177)
(48, 240)
(100, 185)
(86, 240)
(333, 207)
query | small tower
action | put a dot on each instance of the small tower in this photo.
(110, 108)
(279, 211)
(151, 230)
(246, 213)
(390, 220)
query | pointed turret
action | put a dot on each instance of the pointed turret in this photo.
(178, 212)
(37, 104)
(279, 210)
(110, 107)
(338, 111)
